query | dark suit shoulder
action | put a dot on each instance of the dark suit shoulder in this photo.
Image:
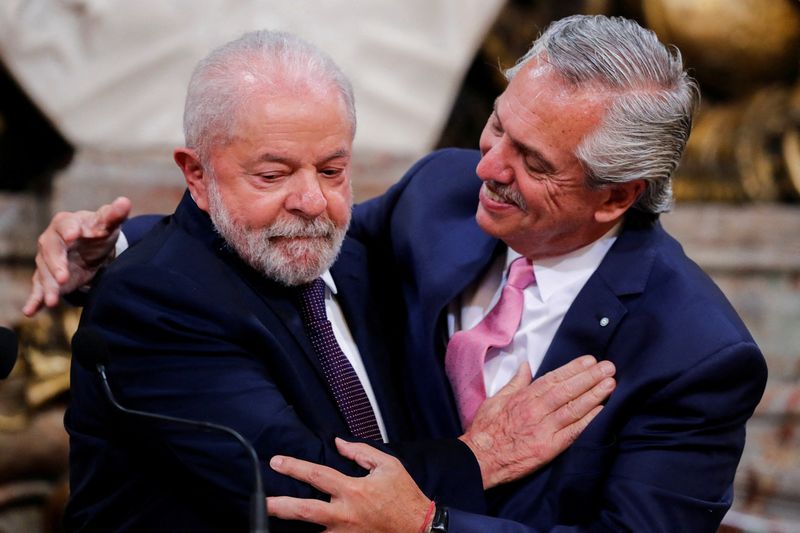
(678, 281)
(675, 316)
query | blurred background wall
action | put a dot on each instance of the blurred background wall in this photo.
(91, 96)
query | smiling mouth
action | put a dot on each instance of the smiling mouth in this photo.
(491, 195)
(503, 194)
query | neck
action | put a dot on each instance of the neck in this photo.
(595, 234)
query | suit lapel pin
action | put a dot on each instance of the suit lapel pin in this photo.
(604, 321)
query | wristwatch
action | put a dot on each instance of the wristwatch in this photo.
(440, 519)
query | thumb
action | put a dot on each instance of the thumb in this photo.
(109, 217)
(364, 455)
(520, 380)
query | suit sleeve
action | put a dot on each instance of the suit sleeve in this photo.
(445, 469)
(677, 457)
(371, 221)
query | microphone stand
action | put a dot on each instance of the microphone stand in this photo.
(258, 502)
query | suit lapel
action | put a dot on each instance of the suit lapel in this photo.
(352, 286)
(456, 262)
(279, 300)
(272, 306)
(463, 261)
(587, 327)
(351, 276)
(603, 302)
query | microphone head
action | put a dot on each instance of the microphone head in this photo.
(9, 346)
(89, 348)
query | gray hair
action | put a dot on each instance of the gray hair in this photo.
(645, 129)
(224, 80)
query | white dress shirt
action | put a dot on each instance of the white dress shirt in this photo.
(547, 300)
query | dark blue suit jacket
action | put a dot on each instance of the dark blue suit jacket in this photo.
(196, 333)
(662, 454)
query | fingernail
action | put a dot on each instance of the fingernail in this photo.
(607, 368)
(588, 361)
(607, 384)
(276, 462)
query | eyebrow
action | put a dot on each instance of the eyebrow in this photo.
(273, 158)
(524, 149)
(336, 155)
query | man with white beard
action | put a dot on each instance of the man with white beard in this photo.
(232, 311)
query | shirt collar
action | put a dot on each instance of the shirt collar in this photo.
(555, 272)
(328, 279)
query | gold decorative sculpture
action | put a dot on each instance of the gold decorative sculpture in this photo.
(746, 56)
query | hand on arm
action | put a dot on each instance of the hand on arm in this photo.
(526, 425)
(159, 355)
(70, 251)
(514, 433)
(385, 500)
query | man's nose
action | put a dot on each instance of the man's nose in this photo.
(306, 198)
(495, 164)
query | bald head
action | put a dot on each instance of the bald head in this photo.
(256, 66)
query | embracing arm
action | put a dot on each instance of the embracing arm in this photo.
(75, 245)
(71, 250)
(372, 220)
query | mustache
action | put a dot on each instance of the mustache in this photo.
(292, 228)
(507, 194)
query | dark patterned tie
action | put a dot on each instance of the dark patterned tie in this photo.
(343, 382)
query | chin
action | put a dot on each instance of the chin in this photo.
(488, 223)
(295, 266)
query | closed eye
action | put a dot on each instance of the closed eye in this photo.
(495, 126)
(331, 172)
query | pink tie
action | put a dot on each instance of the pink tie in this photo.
(466, 351)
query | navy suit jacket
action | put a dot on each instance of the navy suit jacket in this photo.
(662, 454)
(194, 332)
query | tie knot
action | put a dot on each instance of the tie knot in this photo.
(520, 275)
(312, 301)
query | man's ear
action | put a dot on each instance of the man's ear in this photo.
(620, 197)
(196, 178)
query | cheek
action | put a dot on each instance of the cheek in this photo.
(340, 201)
(535, 193)
(260, 212)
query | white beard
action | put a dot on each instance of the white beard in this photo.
(292, 251)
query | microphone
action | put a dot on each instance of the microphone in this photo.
(9, 345)
(91, 351)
